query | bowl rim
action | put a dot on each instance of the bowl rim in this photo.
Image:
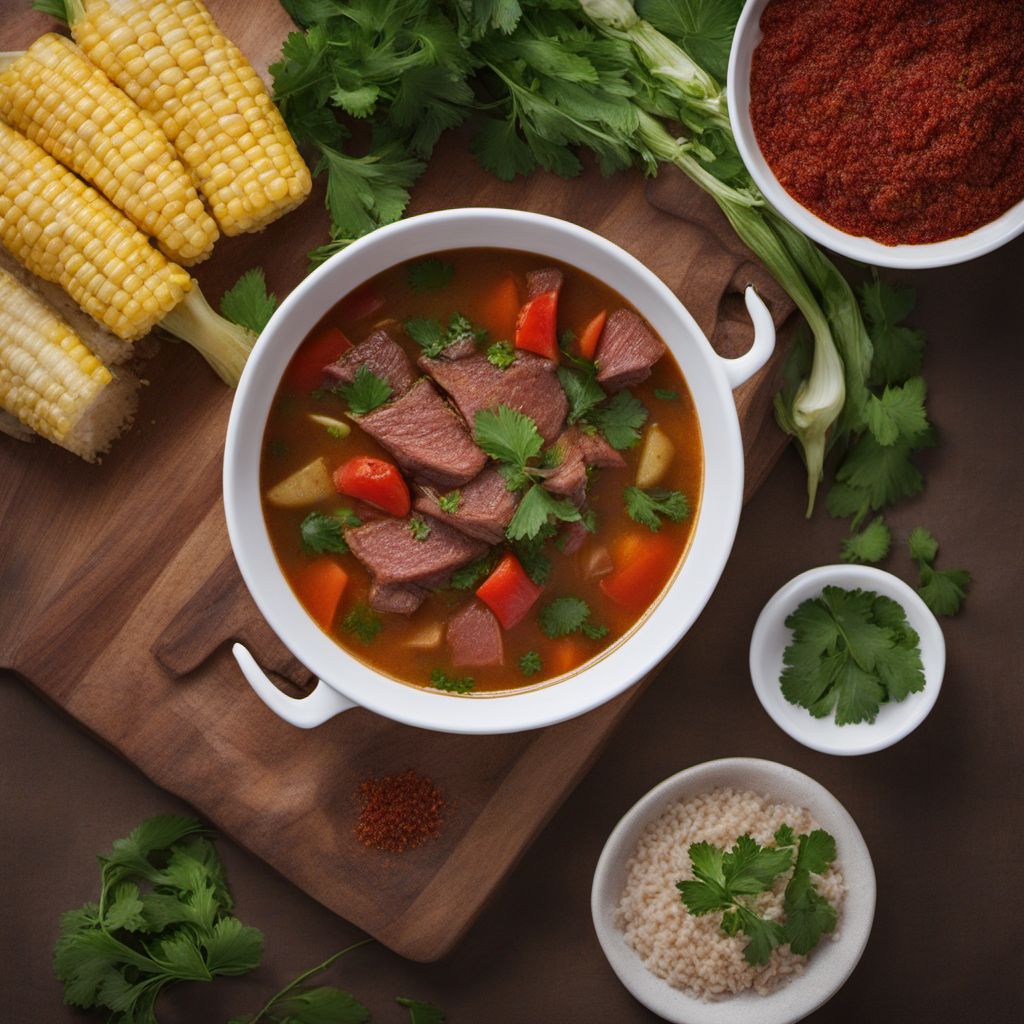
(855, 923)
(657, 634)
(948, 252)
(822, 734)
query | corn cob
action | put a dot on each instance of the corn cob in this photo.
(64, 104)
(51, 382)
(64, 231)
(173, 60)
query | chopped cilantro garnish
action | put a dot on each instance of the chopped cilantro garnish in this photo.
(534, 511)
(507, 435)
(434, 339)
(530, 663)
(431, 275)
(470, 575)
(943, 590)
(582, 390)
(366, 392)
(419, 528)
(644, 507)
(501, 354)
(851, 651)
(323, 533)
(531, 554)
(870, 545)
(363, 621)
(451, 684)
(620, 420)
(567, 615)
(450, 502)
(248, 303)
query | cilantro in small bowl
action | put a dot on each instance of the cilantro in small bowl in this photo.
(847, 659)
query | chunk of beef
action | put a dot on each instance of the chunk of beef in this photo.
(396, 597)
(580, 450)
(485, 506)
(540, 282)
(529, 385)
(382, 356)
(571, 538)
(627, 350)
(388, 549)
(426, 438)
(474, 637)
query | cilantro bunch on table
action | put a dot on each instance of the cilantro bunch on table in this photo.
(729, 881)
(851, 652)
(943, 590)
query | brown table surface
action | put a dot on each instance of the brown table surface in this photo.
(941, 812)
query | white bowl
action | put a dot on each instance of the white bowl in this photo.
(909, 257)
(895, 719)
(346, 681)
(830, 963)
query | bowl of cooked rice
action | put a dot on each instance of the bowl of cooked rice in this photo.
(738, 891)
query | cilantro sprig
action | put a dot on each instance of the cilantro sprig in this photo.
(870, 545)
(363, 622)
(434, 339)
(727, 880)
(645, 507)
(323, 532)
(944, 591)
(366, 392)
(851, 652)
(567, 615)
(440, 680)
(248, 303)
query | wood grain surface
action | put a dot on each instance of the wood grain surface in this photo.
(119, 595)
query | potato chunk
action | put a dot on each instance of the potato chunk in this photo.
(305, 486)
(655, 457)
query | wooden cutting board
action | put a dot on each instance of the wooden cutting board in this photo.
(119, 596)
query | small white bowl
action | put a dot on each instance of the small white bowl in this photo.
(908, 257)
(830, 963)
(895, 719)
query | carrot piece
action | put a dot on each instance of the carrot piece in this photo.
(320, 586)
(536, 326)
(374, 481)
(508, 591)
(306, 370)
(638, 578)
(565, 655)
(591, 335)
(361, 303)
(500, 309)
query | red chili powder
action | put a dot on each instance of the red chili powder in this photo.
(398, 812)
(902, 120)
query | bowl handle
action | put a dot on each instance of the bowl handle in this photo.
(323, 703)
(742, 368)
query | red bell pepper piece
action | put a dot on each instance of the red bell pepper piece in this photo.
(508, 591)
(374, 481)
(592, 335)
(642, 565)
(320, 586)
(536, 326)
(306, 370)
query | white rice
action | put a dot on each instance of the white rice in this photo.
(693, 953)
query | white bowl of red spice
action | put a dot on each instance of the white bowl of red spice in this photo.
(683, 966)
(889, 131)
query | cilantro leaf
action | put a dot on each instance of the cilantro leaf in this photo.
(322, 533)
(433, 338)
(430, 275)
(644, 507)
(567, 615)
(870, 545)
(898, 350)
(531, 554)
(873, 476)
(470, 575)
(366, 392)
(702, 30)
(421, 1013)
(749, 868)
(530, 663)
(501, 354)
(582, 390)
(851, 651)
(248, 303)
(943, 591)
(363, 621)
(449, 502)
(665, 395)
(620, 420)
(534, 511)
(923, 546)
(451, 684)
(898, 412)
(419, 528)
(507, 435)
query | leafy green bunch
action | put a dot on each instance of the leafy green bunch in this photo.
(730, 881)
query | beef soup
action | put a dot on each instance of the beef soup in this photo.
(480, 471)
